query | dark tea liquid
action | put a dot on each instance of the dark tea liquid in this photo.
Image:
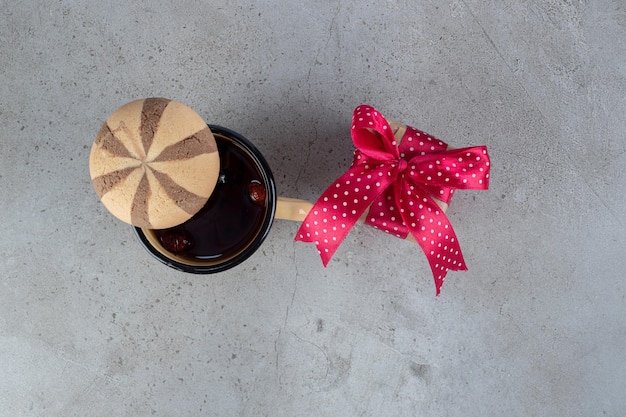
(231, 218)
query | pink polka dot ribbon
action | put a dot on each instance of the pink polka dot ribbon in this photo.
(399, 183)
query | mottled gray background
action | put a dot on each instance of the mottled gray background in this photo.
(91, 325)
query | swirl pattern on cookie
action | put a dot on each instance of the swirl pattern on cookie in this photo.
(154, 163)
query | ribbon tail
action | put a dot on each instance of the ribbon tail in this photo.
(432, 230)
(336, 211)
(439, 274)
(445, 258)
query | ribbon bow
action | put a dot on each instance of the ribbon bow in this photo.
(400, 183)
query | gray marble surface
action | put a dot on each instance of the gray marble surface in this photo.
(91, 325)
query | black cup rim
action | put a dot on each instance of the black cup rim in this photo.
(258, 240)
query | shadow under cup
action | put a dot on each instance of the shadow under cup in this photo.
(232, 224)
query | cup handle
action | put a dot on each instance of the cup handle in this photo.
(292, 209)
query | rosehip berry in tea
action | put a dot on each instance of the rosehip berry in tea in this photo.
(174, 241)
(257, 192)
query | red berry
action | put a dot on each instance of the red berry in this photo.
(257, 192)
(174, 241)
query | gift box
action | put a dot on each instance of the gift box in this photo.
(401, 181)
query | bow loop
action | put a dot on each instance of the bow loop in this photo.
(372, 134)
(417, 143)
(465, 168)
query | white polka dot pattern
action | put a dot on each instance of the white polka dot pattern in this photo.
(398, 183)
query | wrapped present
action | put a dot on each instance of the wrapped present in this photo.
(401, 181)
